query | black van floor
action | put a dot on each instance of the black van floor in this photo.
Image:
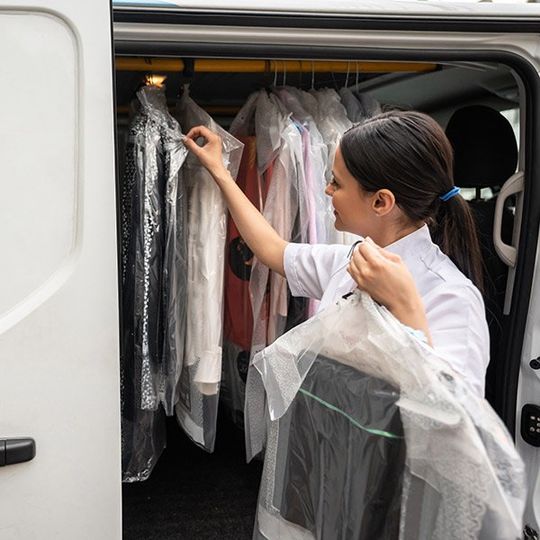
(195, 495)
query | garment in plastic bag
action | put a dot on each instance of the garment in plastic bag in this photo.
(233, 384)
(319, 163)
(368, 102)
(332, 121)
(238, 323)
(462, 477)
(273, 177)
(323, 488)
(359, 106)
(238, 316)
(279, 142)
(314, 157)
(319, 209)
(153, 280)
(207, 228)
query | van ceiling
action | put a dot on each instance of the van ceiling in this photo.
(447, 88)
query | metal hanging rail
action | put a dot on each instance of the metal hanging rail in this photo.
(210, 65)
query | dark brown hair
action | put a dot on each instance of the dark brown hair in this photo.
(408, 153)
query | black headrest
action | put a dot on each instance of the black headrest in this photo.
(485, 149)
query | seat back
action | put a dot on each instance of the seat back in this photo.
(485, 156)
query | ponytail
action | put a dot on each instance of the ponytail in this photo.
(454, 230)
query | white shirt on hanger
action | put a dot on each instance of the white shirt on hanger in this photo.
(454, 306)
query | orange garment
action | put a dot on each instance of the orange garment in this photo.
(238, 316)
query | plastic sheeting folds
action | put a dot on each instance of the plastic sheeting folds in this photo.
(154, 263)
(370, 434)
(207, 230)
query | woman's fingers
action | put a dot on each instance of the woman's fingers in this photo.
(201, 131)
(357, 267)
(370, 266)
(191, 145)
(371, 252)
(210, 153)
(357, 258)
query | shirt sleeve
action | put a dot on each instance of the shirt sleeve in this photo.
(309, 268)
(458, 327)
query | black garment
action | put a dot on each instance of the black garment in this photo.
(154, 274)
(345, 456)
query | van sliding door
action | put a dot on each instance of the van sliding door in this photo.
(59, 375)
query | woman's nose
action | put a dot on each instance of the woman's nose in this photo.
(328, 189)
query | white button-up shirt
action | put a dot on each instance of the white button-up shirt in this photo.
(454, 306)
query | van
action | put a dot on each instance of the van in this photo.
(70, 70)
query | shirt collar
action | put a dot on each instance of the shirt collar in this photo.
(412, 246)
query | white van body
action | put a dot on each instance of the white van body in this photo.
(59, 352)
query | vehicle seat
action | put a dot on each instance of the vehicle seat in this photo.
(485, 156)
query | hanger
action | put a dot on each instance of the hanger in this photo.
(187, 74)
(348, 72)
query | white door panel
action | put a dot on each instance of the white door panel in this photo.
(528, 392)
(59, 379)
(38, 126)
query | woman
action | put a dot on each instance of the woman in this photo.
(392, 184)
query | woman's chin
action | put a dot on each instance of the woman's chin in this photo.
(337, 224)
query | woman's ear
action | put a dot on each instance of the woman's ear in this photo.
(383, 202)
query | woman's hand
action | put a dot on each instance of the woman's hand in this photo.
(210, 154)
(384, 276)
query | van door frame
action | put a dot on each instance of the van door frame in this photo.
(507, 382)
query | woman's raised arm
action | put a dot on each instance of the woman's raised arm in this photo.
(259, 235)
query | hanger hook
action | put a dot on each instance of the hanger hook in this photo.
(312, 75)
(275, 72)
(348, 72)
(356, 74)
(284, 72)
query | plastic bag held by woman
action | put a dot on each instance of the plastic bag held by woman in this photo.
(371, 434)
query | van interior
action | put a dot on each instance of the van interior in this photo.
(192, 494)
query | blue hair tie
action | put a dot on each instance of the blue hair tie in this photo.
(447, 196)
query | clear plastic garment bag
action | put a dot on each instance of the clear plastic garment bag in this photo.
(359, 105)
(285, 208)
(274, 179)
(291, 137)
(333, 122)
(154, 264)
(370, 434)
(206, 234)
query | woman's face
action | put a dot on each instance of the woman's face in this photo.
(353, 207)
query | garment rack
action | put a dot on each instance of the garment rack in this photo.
(213, 65)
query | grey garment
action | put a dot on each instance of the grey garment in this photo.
(153, 252)
(359, 105)
(345, 456)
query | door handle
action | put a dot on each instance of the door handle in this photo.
(16, 451)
